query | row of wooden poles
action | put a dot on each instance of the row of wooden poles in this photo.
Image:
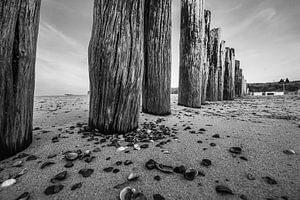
(129, 57)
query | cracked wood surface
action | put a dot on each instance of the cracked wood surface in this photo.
(157, 72)
(19, 22)
(115, 65)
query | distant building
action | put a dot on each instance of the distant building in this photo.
(267, 93)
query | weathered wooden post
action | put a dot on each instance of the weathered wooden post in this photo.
(238, 79)
(221, 71)
(115, 65)
(157, 49)
(191, 61)
(229, 74)
(206, 49)
(19, 23)
(214, 61)
(232, 75)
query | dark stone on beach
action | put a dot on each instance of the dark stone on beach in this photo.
(31, 158)
(269, 180)
(108, 158)
(180, 170)
(47, 163)
(128, 162)
(243, 197)
(213, 144)
(116, 171)
(235, 150)
(144, 146)
(137, 196)
(96, 150)
(190, 174)
(60, 177)
(151, 164)
(108, 169)
(202, 129)
(206, 162)
(69, 164)
(22, 155)
(157, 178)
(216, 136)
(52, 156)
(86, 172)
(164, 168)
(243, 158)
(158, 197)
(118, 163)
(89, 159)
(53, 189)
(201, 173)
(76, 186)
(199, 142)
(24, 196)
(223, 190)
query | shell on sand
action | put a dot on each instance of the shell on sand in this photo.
(126, 193)
(8, 183)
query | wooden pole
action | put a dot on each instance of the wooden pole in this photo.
(157, 48)
(19, 23)
(116, 62)
(212, 86)
(229, 74)
(191, 47)
(206, 49)
(221, 71)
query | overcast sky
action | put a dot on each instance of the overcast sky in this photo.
(265, 34)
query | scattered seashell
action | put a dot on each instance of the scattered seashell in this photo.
(8, 183)
(190, 174)
(132, 177)
(136, 147)
(24, 196)
(289, 152)
(150, 164)
(126, 193)
(206, 162)
(18, 163)
(235, 150)
(120, 149)
(223, 190)
(71, 156)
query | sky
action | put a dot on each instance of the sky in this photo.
(265, 34)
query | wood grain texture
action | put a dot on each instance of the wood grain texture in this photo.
(116, 61)
(19, 22)
(214, 64)
(229, 74)
(157, 51)
(221, 70)
(191, 47)
(206, 52)
(238, 79)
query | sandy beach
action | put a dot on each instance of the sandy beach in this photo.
(264, 127)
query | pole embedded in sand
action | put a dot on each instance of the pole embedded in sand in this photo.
(229, 74)
(221, 70)
(191, 53)
(238, 79)
(206, 50)
(115, 65)
(19, 23)
(157, 52)
(212, 86)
